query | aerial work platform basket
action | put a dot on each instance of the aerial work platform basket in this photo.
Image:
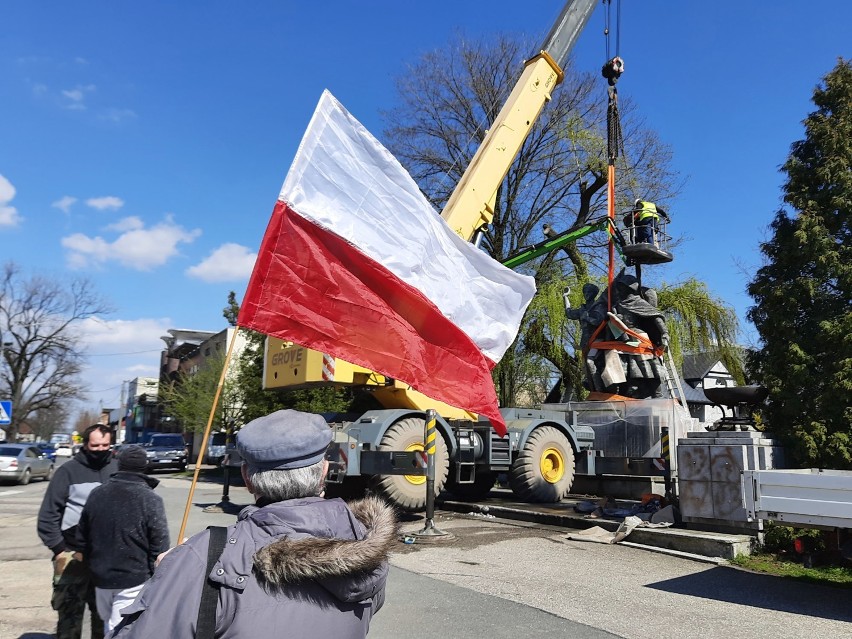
(640, 252)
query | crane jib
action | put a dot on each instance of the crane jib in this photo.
(566, 29)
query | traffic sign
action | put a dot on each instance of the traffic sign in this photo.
(5, 413)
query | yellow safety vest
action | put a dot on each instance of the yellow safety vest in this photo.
(649, 209)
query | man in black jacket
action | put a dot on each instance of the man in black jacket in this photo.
(122, 530)
(57, 526)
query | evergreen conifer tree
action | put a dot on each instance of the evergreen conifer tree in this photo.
(803, 292)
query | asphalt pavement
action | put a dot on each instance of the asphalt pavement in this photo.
(487, 578)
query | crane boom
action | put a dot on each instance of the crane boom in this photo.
(471, 204)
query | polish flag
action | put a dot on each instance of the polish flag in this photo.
(356, 263)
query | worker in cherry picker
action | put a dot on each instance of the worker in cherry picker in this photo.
(645, 218)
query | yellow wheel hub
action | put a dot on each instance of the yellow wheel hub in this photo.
(417, 480)
(552, 465)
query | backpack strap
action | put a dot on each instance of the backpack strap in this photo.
(205, 625)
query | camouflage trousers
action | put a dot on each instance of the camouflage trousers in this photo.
(73, 590)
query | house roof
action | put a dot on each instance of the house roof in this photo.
(694, 395)
(697, 365)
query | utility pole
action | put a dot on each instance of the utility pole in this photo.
(122, 416)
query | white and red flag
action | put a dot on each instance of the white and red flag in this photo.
(356, 263)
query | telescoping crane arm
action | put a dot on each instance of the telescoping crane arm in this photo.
(471, 204)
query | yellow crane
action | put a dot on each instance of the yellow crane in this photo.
(378, 446)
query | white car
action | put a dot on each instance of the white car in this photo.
(63, 450)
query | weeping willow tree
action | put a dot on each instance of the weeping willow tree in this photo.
(698, 322)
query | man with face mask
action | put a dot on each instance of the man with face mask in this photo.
(57, 526)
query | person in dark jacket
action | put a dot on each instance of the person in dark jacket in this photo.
(57, 527)
(122, 530)
(295, 563)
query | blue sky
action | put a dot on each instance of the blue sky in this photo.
(143, 145)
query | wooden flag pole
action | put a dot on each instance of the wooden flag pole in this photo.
(203, 448)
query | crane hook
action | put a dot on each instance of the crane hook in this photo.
(612, 70)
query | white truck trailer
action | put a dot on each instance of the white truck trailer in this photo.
(807, 498)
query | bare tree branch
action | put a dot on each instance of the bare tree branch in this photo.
(41, 353)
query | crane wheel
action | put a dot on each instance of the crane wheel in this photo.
(544, 470)
(408, 492)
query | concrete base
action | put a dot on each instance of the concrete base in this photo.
(563, 515)
(618, 486)
(732, 527)
(707, 544)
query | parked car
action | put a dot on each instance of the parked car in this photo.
(63, 450)
(22, 462)
(48, 449)
(166, 450)
(216, 449)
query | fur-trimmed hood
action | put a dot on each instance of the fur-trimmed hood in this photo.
(343, 547)
(289, 561)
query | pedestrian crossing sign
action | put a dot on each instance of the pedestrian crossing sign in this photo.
(5, 412)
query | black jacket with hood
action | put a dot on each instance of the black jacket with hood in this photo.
(122, 530)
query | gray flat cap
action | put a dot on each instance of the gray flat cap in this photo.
(283, 440)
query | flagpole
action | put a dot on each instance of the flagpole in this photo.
(203, 447)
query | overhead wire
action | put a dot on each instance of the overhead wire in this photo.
(156, 350)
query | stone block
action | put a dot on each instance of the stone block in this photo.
(693, 463)
(770, 457)
(696, 498)
(727, 463)
(727, 501)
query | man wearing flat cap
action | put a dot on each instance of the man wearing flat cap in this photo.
(122, 529)
(294, 564)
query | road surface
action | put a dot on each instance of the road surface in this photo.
(492, 579)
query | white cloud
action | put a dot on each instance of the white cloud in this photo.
(137, 248)
(76, 97)
(117, 116)
(228, 263)
(9, 215)
(112, 336)
(141, 370)
(64, 203)
(118, 351)
(106, 203)
(131, 223)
